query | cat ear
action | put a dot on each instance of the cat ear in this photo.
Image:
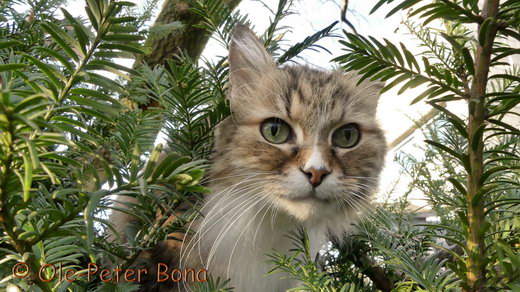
(368, 93)
(248, 59)
(375, 93)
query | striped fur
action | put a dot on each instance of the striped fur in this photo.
(259, 193)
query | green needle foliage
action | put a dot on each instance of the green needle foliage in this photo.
(75, 133)
(465, 57)
(470, 172)
(73, 136)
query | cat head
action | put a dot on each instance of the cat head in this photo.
(303, 140)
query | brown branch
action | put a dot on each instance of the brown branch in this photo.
(374, 272)
(475, 275)
(344, 9)
(7, 222)
(357, 253)
(191, 40)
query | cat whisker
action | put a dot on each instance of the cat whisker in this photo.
(377, 215)
(242, 233)
(208, 180)
(362, 177)
(242, 192)
(215, 196)
(249, 178)
(270, 207)
(358, 183)
(338, 198)
(224, 198)
(213, 212)
(274, 214)
(195, 242)
(355, 204)
(202, 228)
(222, 234)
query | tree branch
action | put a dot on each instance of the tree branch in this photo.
(356, 252)
(191, 40)
(344, 9)
(476, 108)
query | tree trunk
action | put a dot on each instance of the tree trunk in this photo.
(476, 276)
(191, 40)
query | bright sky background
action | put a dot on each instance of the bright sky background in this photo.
(394, 112)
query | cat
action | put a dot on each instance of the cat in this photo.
(302, 147)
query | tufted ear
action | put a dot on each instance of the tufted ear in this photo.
(366, 94)
(373, 89)
(248, 58)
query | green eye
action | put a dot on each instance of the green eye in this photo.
(275, 131)
(346, 136)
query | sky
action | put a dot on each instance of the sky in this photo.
(394, 111)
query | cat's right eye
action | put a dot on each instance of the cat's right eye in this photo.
(275, 131)
(346, 136)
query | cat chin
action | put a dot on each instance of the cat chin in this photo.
(308, 209)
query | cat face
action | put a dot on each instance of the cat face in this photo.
(306, 139)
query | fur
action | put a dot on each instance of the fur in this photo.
(259, 190)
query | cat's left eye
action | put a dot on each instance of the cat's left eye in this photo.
(346, 136)
(275, 130)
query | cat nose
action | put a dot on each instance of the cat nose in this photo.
(315, 176)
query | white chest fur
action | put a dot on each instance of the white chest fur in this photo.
(233, 241)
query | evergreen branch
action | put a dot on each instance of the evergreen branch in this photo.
(6, 219)
(282, 11)
(377, 61)
(357, 253)
(308, 42)
(475, 18)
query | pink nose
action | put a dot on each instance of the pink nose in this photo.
(316, 176)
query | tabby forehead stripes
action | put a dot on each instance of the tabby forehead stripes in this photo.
(307, 179)
(314, 103)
